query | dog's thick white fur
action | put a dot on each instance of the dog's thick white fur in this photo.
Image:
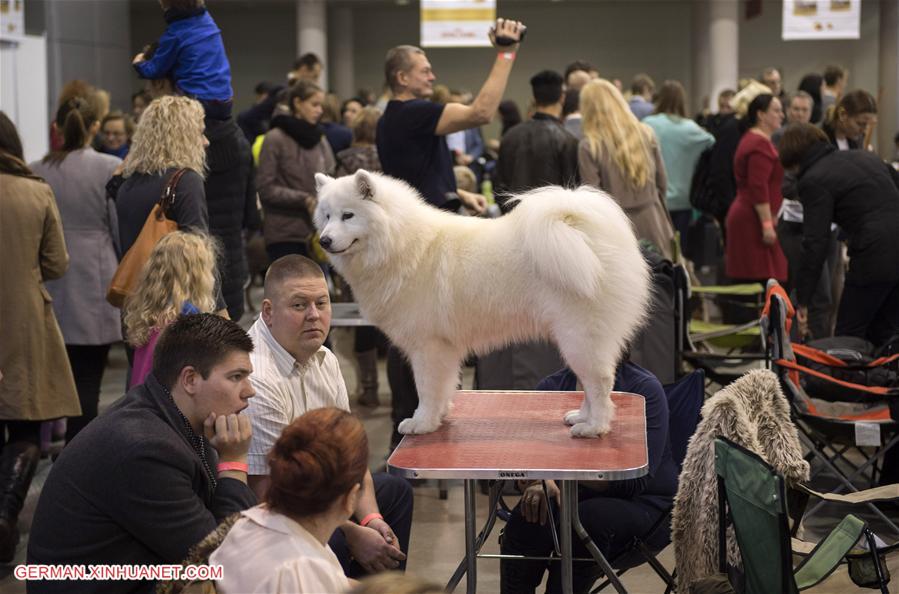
(563, 265)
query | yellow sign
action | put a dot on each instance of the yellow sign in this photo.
(456, 23)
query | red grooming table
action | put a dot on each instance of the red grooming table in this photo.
(521, 435)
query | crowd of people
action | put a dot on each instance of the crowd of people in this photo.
(243, 442)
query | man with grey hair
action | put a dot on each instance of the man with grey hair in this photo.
(798, 110)
(771, 78)
(410, 133)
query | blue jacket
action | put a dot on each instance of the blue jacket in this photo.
(191, 52)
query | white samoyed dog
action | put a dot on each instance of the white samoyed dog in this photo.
(563, 265)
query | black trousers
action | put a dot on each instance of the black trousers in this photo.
(13, 431)
(368, 338)
(286, 248)
(681, 220)
(821, 309)
(403, 393)
(612, 523)
(869, 311)
(88, 364)
(394, 496)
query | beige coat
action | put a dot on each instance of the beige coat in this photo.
(645, 207)
(37, 381)
(753, 412)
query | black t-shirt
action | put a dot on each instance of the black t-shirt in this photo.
(410, 150)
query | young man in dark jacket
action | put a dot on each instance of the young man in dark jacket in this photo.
(539, 152)
(157, 472)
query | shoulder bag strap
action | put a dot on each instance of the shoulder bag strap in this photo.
(168, 194)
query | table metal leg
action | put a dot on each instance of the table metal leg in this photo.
(589, 544)
(471, 547)
(496, 491)
(569, 501)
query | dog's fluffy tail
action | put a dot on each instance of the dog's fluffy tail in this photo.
(581, 226)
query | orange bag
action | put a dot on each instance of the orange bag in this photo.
(157, 225)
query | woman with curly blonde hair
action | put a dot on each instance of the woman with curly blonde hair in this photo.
(178, 278)
(621, 156)
(168, 138)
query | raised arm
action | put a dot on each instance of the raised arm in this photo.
(457, 116)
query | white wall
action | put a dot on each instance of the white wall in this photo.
(603, 33)
(259, 36)
(888, 95)
(89, 40)
(620, 37)
(23, 92)
(761, 46)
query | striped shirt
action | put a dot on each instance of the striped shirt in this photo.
(285, 389)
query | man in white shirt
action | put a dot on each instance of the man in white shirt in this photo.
(294, 373)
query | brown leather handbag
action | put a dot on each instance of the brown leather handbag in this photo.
(157, 225)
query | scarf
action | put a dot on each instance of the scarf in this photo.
(303, 133)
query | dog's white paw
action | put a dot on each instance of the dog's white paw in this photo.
(589, 430)
(447, 409)
(573, 417)
(416, 425)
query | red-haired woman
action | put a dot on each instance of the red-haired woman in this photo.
(317, 468)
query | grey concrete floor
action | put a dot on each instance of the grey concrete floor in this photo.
(438, 542)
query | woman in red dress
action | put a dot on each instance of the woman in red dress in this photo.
(753, 252)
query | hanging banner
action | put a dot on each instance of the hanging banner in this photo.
(12, 19)
(456, 23)
(821, 19)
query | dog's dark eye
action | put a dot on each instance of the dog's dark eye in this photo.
(347, 216)
(327, 217)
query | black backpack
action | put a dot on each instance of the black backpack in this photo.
(862, 364)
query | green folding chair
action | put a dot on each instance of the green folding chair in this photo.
(753, 497)
(722, 351)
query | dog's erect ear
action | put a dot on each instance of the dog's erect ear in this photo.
(321, 180)
(365, 184)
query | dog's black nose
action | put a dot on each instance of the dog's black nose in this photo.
(325, 241)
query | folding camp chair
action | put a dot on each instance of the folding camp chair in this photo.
(858, 423)
(722, 351)
(753, 497)
(685, 399)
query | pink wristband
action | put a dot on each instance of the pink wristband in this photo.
(369, 518)
(238, 466)
(769, 224)
(507, 55)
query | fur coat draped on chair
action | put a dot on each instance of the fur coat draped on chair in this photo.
(753, 412)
